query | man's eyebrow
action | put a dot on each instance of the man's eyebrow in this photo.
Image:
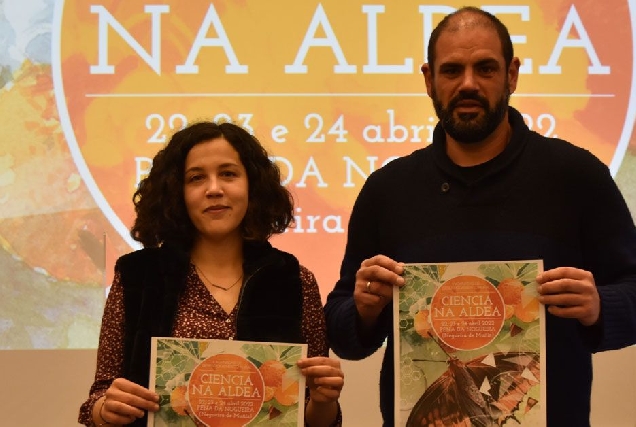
(450, 64)
(487, 61)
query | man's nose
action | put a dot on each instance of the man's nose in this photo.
(468, 82)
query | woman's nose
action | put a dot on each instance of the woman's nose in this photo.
(214, 188)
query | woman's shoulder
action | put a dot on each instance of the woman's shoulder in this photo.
(135, 266)
(286, 262)
(151, 255)
(306, 275)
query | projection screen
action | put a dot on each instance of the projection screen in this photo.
(89, 91)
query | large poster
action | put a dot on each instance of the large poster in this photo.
(226, 383)
(89, 91)
(470, 345)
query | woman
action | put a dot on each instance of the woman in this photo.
(205, 213)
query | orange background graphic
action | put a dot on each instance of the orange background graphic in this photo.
(82, 127)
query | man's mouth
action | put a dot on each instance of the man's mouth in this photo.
(468, 106)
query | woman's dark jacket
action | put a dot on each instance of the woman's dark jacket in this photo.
(269, 306)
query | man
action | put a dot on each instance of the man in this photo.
(489, 189)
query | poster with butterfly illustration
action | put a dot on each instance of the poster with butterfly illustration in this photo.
(226, 383)
(469, 345)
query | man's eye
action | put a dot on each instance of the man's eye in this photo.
(452, 72)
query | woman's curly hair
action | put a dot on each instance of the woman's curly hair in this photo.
(159, 202)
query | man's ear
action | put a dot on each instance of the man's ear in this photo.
(513, 74)
(428, 77)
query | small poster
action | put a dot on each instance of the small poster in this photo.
(469, 345)
(226, 383)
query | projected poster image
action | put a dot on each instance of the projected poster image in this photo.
(90, 91)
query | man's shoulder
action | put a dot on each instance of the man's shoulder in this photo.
(561, 150)
(549, 148)
(565, 162)
(406, 163)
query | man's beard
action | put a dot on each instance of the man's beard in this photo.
(469, 127)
